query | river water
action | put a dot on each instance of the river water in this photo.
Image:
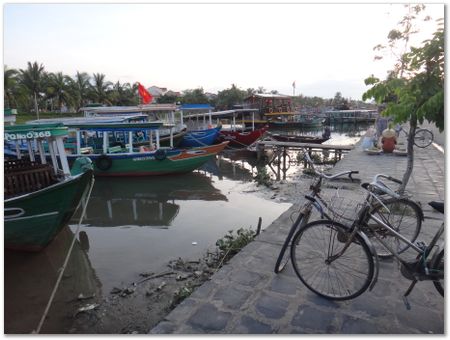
(137, 225)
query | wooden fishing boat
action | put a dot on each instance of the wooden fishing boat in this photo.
(110, 158)
(40, 198)
(299, 138)
(242, 138)
(196, 138)
(200, 128)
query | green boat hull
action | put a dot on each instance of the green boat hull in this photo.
(148, 165)
(151, 164)
(33, 220)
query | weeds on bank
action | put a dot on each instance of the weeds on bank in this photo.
(201, 271)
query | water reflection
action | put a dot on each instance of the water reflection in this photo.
(29, 281)
(145, 201)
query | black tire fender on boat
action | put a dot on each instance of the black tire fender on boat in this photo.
(103, 162)
(160, 154)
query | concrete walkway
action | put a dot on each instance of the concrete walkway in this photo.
(247, 297)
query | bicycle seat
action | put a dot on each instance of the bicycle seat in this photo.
(439, 206)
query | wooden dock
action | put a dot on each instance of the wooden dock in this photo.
(282, 148)
(338, 150)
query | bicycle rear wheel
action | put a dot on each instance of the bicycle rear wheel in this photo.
(423, 138)
(345, 277)
(404, 216)
(438, 268)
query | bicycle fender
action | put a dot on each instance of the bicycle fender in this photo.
(375, 258)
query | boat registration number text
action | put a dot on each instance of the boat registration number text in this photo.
(28, 135)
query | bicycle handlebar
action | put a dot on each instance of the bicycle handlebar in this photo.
(321, 174)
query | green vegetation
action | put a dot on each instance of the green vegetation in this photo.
(414, 89)
(232, 243)
(262, 177)
(34, 90)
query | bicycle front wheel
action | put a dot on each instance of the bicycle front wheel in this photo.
(402, 215)
(343, 277)
(423, 138)
(437, 268)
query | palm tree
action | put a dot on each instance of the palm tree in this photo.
(79, 89)
(101, 88)
(10, 82)
(32, 79)
(59, 87)
(122, 94)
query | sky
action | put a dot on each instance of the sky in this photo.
(324, 48)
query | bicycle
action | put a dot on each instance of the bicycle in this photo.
(306, 210)
(422, 137)
(339, 262)
(404, 214)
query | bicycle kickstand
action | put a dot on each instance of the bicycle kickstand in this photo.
(405, 296)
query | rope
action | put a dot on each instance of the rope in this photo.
(198, 141)
(58, 281)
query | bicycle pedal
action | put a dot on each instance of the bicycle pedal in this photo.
(406, 302)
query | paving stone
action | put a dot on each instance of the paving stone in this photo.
(271, 307)
(425, 320)
(282, 285)
(204, 290)
(321, 301)
(247, 278)
(248, 325)
(209, 319)
(352, 325)
(314, 319)
(164, 327)
(232, 298)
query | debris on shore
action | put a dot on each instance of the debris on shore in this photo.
(141, 305)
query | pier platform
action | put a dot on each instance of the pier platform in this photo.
(247, 297)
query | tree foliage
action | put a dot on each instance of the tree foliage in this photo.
(227, 98)
(195, 96)
(414, 89)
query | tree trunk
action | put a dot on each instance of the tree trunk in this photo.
(36, 108)
(410, 150)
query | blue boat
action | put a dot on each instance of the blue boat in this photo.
(200, 129)
(200, 137)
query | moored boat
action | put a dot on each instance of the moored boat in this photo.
(172, 135)
(200, 132)
(299, 138)
(41, 197)
(113, 158)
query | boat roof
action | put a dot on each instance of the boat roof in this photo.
(27, 131)
(130, 109)
(226, 113)
(88, 120)
(155, 125)
(188, 107)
